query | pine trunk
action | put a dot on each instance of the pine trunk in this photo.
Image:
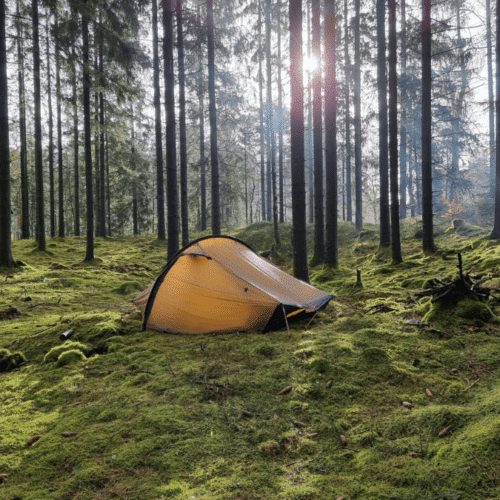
(385, 228)
(357, 120)
(319, 237)
(25, 214)
(216, 222)
(261, 118)
(393, 134)
(403, 181)
(495, 234)
(88, 138)
(60, 170)
(160, 184)
(172, 193)
(347, 76)
(6, 259)
(300, 267)
(76, 171)
(52, 200)
(427, 222)
(40, 209)
(331, 250)
(182, 129)
(491, 105)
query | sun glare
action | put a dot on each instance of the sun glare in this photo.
(310, 64)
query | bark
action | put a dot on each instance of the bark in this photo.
(97, 157)
(52, 201)
(160, 184)
(495, 234)
(102, 166)
(135, 211)
(404, 100)
(88, 138)
(310, 147)
(60, 170)
(331, 250)
(385, 229)
(40, 215)
(393, 134)
(491, 106)
(76, 171)
(216, 223)
(427, 222)
(172, 193)
(25, 214)
(270, 127)
(300, 267)
(261, 118)
(280, 131)
(357, 119)
(348, 173)
(6, 259)
(319, 237)
(182, 129)
(203, 183)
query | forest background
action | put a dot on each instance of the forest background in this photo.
(89, 142)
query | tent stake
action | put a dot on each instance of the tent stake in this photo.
(307, 326)
(286, 321)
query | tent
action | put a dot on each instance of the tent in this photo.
(219, 284)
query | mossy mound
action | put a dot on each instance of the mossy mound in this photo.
(71, 357)
(128, 287)
(466, 311)
(10, 361)
(55, 352)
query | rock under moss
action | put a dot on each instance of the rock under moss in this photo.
(466, 311)
(10, 361)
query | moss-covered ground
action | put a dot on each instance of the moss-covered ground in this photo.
(383, 405)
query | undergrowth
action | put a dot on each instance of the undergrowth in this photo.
(382, 405)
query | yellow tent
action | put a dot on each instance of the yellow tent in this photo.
(219, 284)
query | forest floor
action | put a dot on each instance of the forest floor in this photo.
(385, 404)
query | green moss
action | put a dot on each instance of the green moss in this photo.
(10, 361)
(466, 311)
(319, 364)
(71, 357)
(55, 352)
(128, 287)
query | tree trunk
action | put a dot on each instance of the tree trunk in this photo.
(102, 166)
(300, 268)
(203, 182)
(495, 234)
(261, 118)
(310, 147)
(385, 228)
(97, 157)
(60, 197)
(172, 193)
(135, 210)
(319, 237)
(348, 173)
(160, 184)
(270, 128)
(182, 129)
(6, 259)
(281, 124)
(88, 137)
(404, 103)
(331, 250)
(491, 106)
(25, 214)
(76, 148)
(108, 188)
(52, 202)
(393, 134)
(40, 210)
(216, 226)
(427, 222)
(357, 120)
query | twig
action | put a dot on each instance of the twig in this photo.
(286, 321)
(473, 384)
